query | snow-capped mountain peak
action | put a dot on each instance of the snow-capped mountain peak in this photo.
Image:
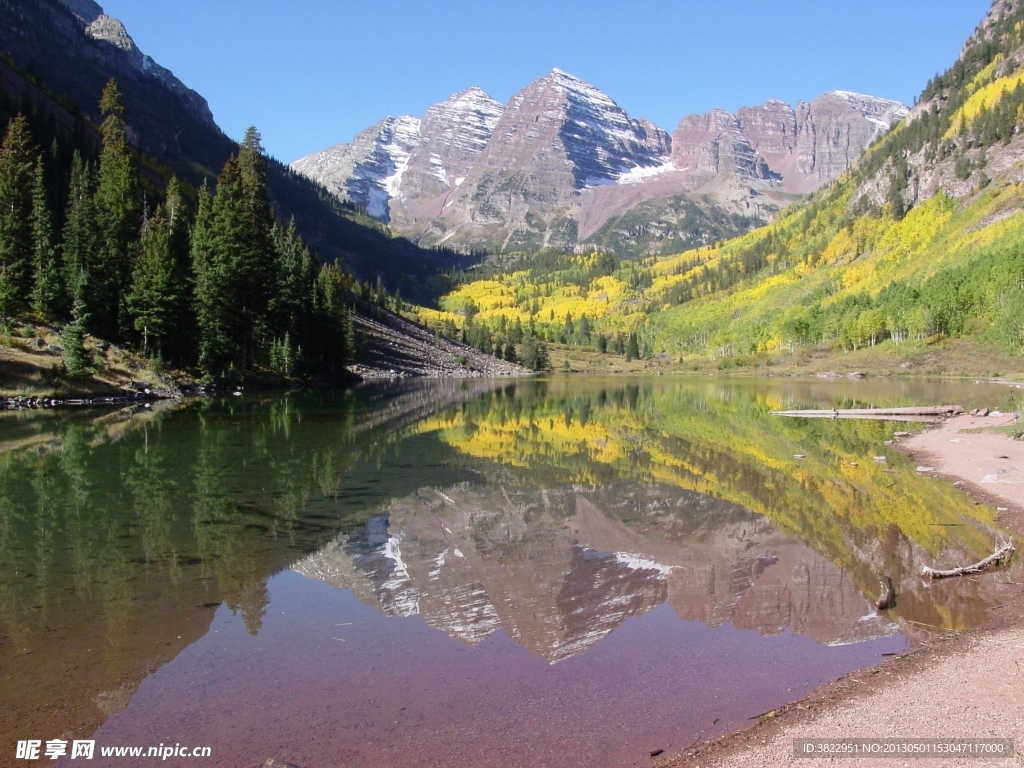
(562, 158)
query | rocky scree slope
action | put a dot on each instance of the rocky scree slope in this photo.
(391, 347)
(561, 159)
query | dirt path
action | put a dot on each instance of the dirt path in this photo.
(969, 685)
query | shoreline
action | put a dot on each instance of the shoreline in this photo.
(966, 684)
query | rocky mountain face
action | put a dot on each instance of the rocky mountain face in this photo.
(562, 159)
(405, 158)
(108, 29)
(72, 48)
(558, 570)
(556, 137)
(126, 54)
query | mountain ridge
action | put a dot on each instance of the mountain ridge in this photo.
(562, 158)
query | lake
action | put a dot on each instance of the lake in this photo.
(456, 573)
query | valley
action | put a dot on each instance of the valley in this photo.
(458, 443)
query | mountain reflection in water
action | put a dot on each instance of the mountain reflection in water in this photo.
(559, 573)
(549, 512)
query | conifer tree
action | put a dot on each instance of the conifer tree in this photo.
(296, 277)
(72, 340)
(254, 269)
(212, 303)
(179, 337)
(153, 296)
(242, 266)
(632, 347)
(543, 358)
(227, 287)
(15, 218)
(119, 216)
(48, 293)
(335, 337)
(81, 237)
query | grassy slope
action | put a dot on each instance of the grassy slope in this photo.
(832, 264)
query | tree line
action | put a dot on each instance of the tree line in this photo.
(220, 283)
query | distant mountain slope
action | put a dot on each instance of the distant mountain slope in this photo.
(552, 167)
(922, 240)
(407, 158)
(72, 49)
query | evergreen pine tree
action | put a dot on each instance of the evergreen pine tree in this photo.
(152, 299)
(543, 358)
(528, 353)
(296, 277)
(179, 339)
(334, 342)
(584, 329)
(81, 237)
(119, 216)
(252, 264)
(632, 347)
(48, 293)
(212, 302)
(72, 341)
(15, 218)
(236, 310)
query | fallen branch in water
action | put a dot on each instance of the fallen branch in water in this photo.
(887, 599)
(915, 413)
(1003, 552)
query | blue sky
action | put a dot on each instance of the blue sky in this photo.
(310, 74)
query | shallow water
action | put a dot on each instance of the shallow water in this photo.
(448, 573)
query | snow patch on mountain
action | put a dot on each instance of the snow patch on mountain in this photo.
(640, 563)
(601, 140)
(884, 113)
(405, 596)
(640, 173)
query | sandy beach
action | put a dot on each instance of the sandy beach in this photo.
(968, 685)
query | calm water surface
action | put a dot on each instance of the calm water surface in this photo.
(577, 570)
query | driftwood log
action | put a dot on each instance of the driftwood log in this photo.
(887, 599)
(913, 413)
(1004, 550)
